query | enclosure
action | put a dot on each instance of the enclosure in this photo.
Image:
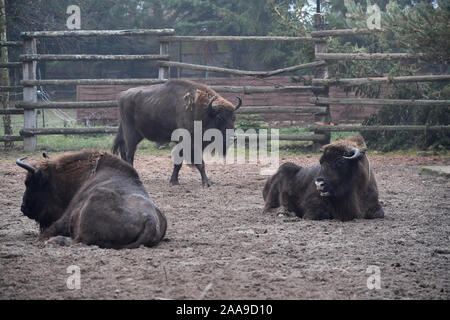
(219, 244)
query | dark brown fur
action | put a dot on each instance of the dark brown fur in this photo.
(92, 197)
(154, 112)
(351, 185)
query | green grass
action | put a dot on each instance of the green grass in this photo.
(62, 143)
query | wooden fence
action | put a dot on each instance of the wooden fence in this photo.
(319, 88)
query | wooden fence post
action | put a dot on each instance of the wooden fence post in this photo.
(321, 73)
(164, 71)
(29, 95)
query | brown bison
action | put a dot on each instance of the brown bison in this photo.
(92, 197)
(154, 112)
(342, 186)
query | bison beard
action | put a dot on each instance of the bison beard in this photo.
(342, 186)
(154, 112)
(92, 197)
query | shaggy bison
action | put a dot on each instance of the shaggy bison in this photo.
(92, 197)
(154, 112)
(342, 186)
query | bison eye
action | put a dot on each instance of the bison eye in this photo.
(339, 163)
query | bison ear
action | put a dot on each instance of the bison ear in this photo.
(45, 155)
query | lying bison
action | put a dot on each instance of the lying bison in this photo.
(154, 112)
(92, 197)
(342, 186)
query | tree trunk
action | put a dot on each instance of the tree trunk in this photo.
(5, 75)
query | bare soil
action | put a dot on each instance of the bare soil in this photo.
(219, 244)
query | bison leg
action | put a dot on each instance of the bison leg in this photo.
(132, 141)
(201, 168)
(174, 177)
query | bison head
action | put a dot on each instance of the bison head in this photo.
(220, 115)
(338, 168)
(37, 195)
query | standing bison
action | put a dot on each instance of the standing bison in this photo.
(342, 186)
(155, 112)
(92, 197)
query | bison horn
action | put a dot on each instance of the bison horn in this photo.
(24, 165)
(356, 153)
(239, 104)
(209, 108)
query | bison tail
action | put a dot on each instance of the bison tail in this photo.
(119, 144)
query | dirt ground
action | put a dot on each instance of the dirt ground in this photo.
(219, 244)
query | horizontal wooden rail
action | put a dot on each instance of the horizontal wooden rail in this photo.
(97, 33)
(73, 82)
(84, 57)
(50, 131)
(240, 72)
(10, 138)
(67, 105)
(232, 38)
(343, 32)
(280, 109)
(11, 43)
(11, 89)
(380, 128)
(264, 89)
(289, 137)
(11, 111)
(366, 56)
(375, 80)
(387, 102)
(111, 130)
(113, 104)
(11, 65)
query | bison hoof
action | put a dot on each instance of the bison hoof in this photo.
(377, 214)
(174, 182)
(206, 183)
(59, 241)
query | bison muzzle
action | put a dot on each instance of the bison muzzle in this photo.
(341, 186)
(92, 197)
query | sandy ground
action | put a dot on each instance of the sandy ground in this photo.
(219, 244)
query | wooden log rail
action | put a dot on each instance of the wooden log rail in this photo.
(10, 138)
(85, 57)
(264, 89)
(97, 33)
(380, 128)
(112, 130)
(11, 111)
(382, 102)
(11, 43)
(261, 74)
(11, 89)
(366, 56)
(50, 131)
(74, 82)
(11, 65)
(113, 103)
(280, 109)
(232, 38)
(289, 137)
(343, 32)
(67, 105)
(375, 80)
